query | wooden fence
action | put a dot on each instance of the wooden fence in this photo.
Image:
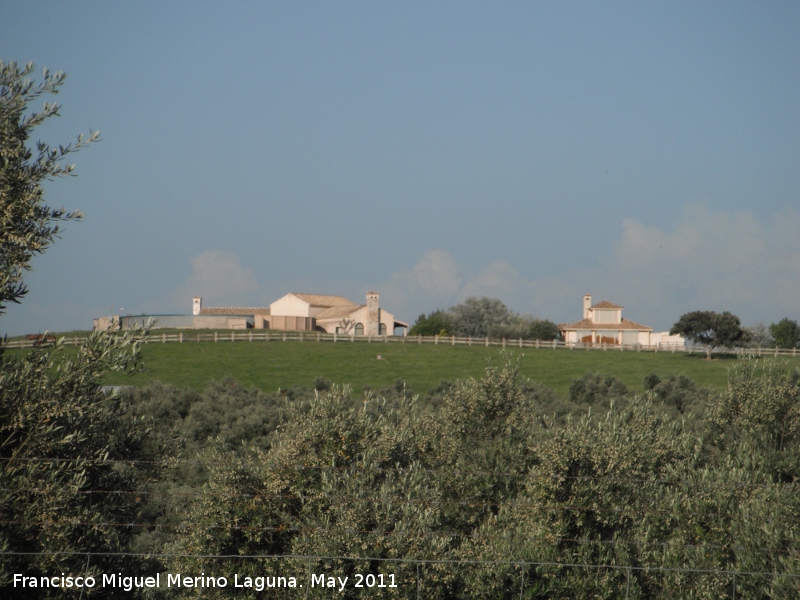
(319, 337)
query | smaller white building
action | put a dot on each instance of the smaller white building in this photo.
(665, 340)
(602, 324)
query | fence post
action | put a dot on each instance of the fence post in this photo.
(628, 586)
(233, 336)
(181, 337)
(318, 336)
(419, 338)
(334, 337)
(301, 336)
(487, 341)
(454, 340)
(504, 342)
(215, 336)
(436, 341)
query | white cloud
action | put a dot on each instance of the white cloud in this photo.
(498, 280)
(438, 281)
(434, 281)
(711, 260)
(220, 278)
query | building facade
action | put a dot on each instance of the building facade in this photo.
(317, 312)
(334, 314)
(602, 323)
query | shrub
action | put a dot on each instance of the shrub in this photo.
(592, 388)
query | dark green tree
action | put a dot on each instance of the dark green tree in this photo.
(436, 323)
(542, 329)
(785, 333)
(710, 328)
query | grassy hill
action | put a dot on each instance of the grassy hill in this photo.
(276, 364)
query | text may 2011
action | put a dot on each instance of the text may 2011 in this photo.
(171, 580)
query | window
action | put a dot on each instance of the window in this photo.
(382, 329)
(359, 329)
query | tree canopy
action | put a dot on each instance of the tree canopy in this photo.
(785, 333)
(480, 317)
(27, 225)
(436, 323)
(484, 317)
(710, 328)
(60, 434)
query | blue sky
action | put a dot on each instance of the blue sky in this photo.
(532, 151)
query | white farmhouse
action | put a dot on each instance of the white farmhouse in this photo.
(602, 323)
(317, 312)
(333, 314)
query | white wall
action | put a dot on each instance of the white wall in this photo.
(290, 306)
(606, 316)
(665, 339)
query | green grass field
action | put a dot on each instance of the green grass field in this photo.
(276, 364)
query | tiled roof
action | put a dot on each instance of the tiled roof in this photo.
(606, 304)
(323, 300)
(338, 312)
(234, 310)
(588, 324)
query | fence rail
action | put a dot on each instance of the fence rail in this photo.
(319, 337)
